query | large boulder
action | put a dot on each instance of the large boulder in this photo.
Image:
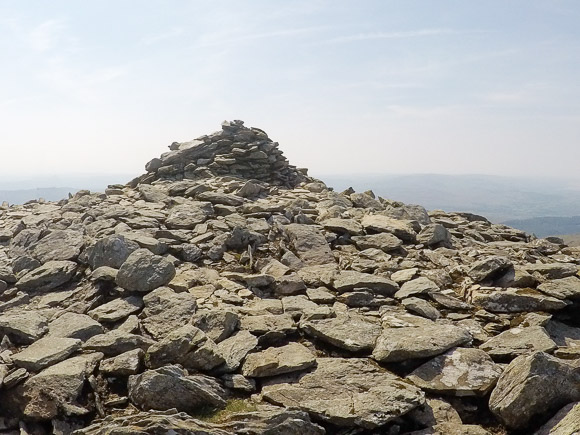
(144, 271)
(48, 276)
(59, 245)
(46, 352)
(309, 244)
(518, 341)
(23, 327)
(111, 251)
(166, 310)
(346, 392)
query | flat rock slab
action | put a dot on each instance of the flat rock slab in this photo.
(458, 372)
(489, 268)
(346, 392)
(73, 325)
(350, 332)
(23, 327)
(533, 386)
(384, 241)
(116, 342)
(515, 300)
(128, 363)
(518, 341)
(278, 360)
(48, 276)
(384, 224)
(117, 309)
(400, 344)
(553, 270)
(166, 310)
(417, 286)
(235, 349)
(309, 244)
(59, 245)
(343, 226)
(187, 216)
(565, 288)
(349, 280)
(46, 352)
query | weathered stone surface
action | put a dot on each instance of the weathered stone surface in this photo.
(23, 327)
(217, 324)
(278, 360)
(347, 392)
(144, 271)
(564, 288)
(59, 245)
(309, 244)
(48, 276)
(125, 364)
(117, 309)
(349, 280)
(111, 251)
(46, 352)
(384, 224)
(515, 301)
(166, 310)
(235, 349)
(116, 342)
(553, 270)
(421, 307)
(533, 385)
(518, 341)
(187, 216)
(350, 332)
(565, 422)
(72, 325)
(343, 226)
(489, 268)
(458, 372)
(385, 241)
(434, 234)
(170, 387)
(400, 344)
(417, 286)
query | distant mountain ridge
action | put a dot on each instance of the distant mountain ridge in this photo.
(547, 226)
(47, 193)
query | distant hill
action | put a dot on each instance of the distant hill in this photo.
(24, 195)
(547, 226)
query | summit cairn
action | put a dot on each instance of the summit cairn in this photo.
(236, 151)
(225, 291)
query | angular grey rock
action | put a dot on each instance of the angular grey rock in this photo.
(403, 229)
(59, 245)
(350, 332)
(346, 392)
(170, 387)
(533, 386)
(417, 286)
(400, 344)
(421, 307)
(144, 271)
(187, 216)
(349, 280)
(48, 276)
(217, 324)
(117, 309)
(309, 244)
(553, 270)
(565, 422)
(235, 349)
(46, 352)
(564, 288)
(515, 301)
(125, 364)
(111, 251)
(458, 372)
(489, 268)
(278, 360)
(72, 325)
(166, 310)
(23, 327)
(434, 234)
(343, 226)
(384, 241)
(116, 342)
(268, 323)
(518, 341)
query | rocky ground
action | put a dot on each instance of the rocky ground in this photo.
(225, 291)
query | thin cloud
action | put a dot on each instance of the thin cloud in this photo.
(396, 35)
(45, 36)
(210, 40)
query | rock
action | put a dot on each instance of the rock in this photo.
(385, 241)
(48, 276)
(518, 341)
(343, 226)
(170, 387)
(346, 392)
(350, 280)
(235, 349)
(309, 244)
(418, 286)
(553, 270)
(166, 310)
(489, 268)
(433, 412)
(116, 342)
(144, 271)
(515, 301)
(421, 307)
(434, 234)
(383, 224)
(23, 327)
(267, 323)
(56, 390)
(400, 344)
(46, 352)
(452, 429)
(458, 372)
(188, 346)
(72, 325)
(217, 324)
(533, 386)
(564, 288)
(125, 364)
(350, 332)
(117, 309)
(187, 216)
(111, 251)
(278, 360)
(565, 422)
(59, 245)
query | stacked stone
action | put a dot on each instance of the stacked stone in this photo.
(236, 151)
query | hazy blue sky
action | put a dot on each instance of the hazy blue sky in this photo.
(368, 86)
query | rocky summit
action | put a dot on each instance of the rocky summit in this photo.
(227, 292)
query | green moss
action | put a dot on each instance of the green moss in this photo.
(234, 406)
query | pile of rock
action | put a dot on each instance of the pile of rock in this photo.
(237, 151)
(227, 304)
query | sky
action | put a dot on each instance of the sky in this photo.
(450, 87)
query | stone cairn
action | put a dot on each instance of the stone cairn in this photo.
(235, 151)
